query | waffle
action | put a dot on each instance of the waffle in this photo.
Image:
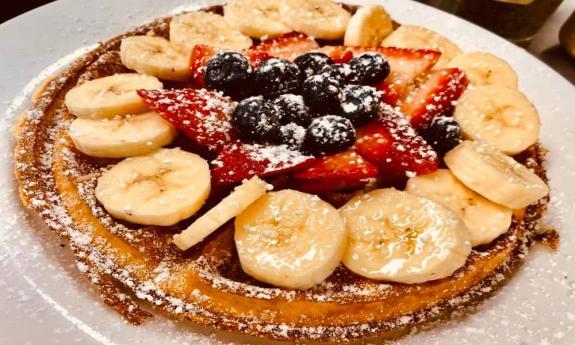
(134, 264)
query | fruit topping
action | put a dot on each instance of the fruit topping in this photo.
(329, 133)
(288, 46)
(394, 147)
(312, 63)
(360, 104)
(399, 237)
(341, 72)
(201, 55)
(322, 19)
(329, 185)
(370, 68)
(228, 72)
(434, 97)
(231, 206)
(256, 119)
(277, 76)
(161, 188)
(443, 134)
(368, 26)
(204, 116)
(290, 239)
(292, 109)
(344, 166)
(239, 161)
(322, 94)
(291, 135)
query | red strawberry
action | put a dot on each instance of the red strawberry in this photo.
(201, 54)
(202, 115)
(394, 147)
(339, 54)
(406, 65)
(199, 58)
(345, 166)
(239, 161)
(328, 185)
(434, 97)
(288, 46)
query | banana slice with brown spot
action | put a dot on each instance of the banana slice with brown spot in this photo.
(485, 69)
(190, 29)
(368, 27)
(162, 188)
(256, 18)
(500, 116)
(322, 19)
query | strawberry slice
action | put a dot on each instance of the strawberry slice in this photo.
(434, 97)
(202, 115)
(339, 54)
(328, 185)
(406, 65)
(394, 147)
(345, 166)
(239, 161)
(288, 46)
(201, 54)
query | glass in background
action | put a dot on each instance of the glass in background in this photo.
(516, 20)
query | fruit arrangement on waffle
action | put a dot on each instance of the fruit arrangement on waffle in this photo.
(296, 169)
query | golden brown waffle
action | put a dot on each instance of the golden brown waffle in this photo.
(206, 284)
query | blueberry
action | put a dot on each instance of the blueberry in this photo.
(277, 76)
(256, 119)
(329, 133)
(228, 72)
(312, 63)
(291, 135)
(371, 68)
(322, 94)
(443, 134)
(292, 109)
(341, 72)
(360, 104)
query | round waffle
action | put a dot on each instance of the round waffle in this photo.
(206, 284)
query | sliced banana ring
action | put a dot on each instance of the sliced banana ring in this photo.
(190, 29)
(155, 56)
(290, 239)
(399, 237)
(256, 18)
(368, 27)
(112, 96)
(498, 177)
(500, 116)
(162, 188)
(485, 219)
(485, 69)
(417, 37)
(322, 19)
(128, 136)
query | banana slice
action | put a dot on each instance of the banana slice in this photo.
(190, 29)
(368, 27)
(155, 56)
(256, 18)
(416, 37)
(322, 19)
(485, 69)
(485, 220)
(500, 116)
(234, 204)
(112, 96)
(499, 178)
(162, 188)
(128, 136)
(290, 239)
(399, 237)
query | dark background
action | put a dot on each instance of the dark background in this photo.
(14, 8)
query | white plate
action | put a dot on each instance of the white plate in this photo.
(44, 300)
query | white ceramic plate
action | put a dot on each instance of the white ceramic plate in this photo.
(44, 300)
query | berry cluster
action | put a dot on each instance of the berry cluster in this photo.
(311, 104)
